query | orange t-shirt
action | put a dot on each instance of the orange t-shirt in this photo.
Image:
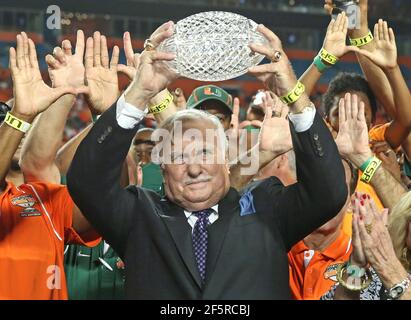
(313, 273)
(35, 224)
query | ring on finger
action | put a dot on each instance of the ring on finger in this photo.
(148, 45)
(277, 56)
(368, 228)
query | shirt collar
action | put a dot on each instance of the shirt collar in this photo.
(339, 248)
(214, 208)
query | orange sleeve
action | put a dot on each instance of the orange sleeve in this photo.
(63, 206)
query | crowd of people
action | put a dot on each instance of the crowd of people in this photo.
(164, 196)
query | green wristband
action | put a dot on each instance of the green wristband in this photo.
(365, 164)
(321, 66)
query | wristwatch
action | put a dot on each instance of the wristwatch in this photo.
(398, 290)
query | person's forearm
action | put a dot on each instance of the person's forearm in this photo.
(374, 74)
(379, 83)
(66, 153)
(310, 78)
(93, 179)
(388, 189)
(169, 111)
(44, 139)
(10, 139)
(402, 96)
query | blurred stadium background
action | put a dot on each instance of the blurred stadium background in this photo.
(300, 24)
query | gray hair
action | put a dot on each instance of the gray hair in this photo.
(194, 115)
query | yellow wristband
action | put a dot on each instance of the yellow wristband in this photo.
(163, 105)
(370, 170)
(16, 123)
(359, 42)
(294, 94)
(328, 57)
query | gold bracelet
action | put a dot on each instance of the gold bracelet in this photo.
(370, 170)
(162, 105)
(17, 123)
(360, 42)
(294, 94)
(364, 283)
(328, 57)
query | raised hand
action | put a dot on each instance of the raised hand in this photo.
(101, 73)
(31, 94)
(152, 74)
(275, 135)
(66, 68)
(352, 138)
(385, 53)
(277, 76)
(335, 39)
(133, 60)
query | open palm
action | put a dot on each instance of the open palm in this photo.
(66, 68)
(101, 73)
(31, 94)
(335, 39)
(385, 54)
(352, 138)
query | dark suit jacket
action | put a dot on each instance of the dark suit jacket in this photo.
(247, 255)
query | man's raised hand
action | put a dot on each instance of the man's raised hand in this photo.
(66, 68)
(31, 95)
(101, 73)
(385, 53)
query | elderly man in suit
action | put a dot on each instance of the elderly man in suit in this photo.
(203, 240)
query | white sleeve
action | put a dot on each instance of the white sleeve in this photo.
(127, 115)
(303, 121)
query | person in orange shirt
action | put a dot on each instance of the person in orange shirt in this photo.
(313, 261)
(36, 218)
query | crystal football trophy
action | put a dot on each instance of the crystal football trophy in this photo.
(213, 46)
(352, 10)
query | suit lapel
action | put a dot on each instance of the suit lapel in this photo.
(227, 208)
(180, 230)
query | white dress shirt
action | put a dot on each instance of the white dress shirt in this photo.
(192, 219)
(129, 116)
